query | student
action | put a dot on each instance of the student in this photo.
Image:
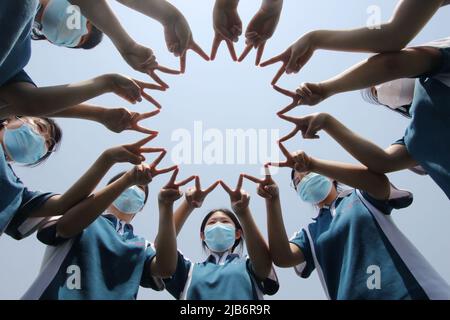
(391, 36)
(424, 100)
(29, 141)
(353, 244)
(225, 274)
(95, 255)
(228, 27)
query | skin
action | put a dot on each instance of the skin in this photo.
(393, 36)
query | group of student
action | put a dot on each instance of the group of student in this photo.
(89, 229)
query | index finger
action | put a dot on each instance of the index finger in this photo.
(211, 187)
(278, 75)
(147, 115)
(286, 92)
(287, 109)
(151, 86)
(197, 49)
(285, 151)
(159, 158)
(289, 118)
(173, 177)
(278, 58)
(254, 179)
(215, 46)
(245, 53)
(185, 181)
(183, 62)
(231, 50)
(167, 70)
(155, 77)
(144, 141)
(226, 187)
(197, 183)
(151, 100)
(239, 183)
(162, 171)
(259, 53)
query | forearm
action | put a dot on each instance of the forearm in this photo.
(101, 15)
(257, 248)
(272, 4)
(227, 3)
(76, 219)
(355, 176)
(82, 111)
(278, 240)
(165, 261)
(160, 10)
(181, 215)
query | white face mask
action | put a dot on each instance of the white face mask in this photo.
(397, 93)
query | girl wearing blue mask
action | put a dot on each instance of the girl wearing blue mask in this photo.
(29, 141)
(225, 274)
(414, 83)
(353, 244)
(92, 251)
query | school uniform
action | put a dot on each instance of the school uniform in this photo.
(17, 203)
(359, 253)
(226, 277)
(107, 261)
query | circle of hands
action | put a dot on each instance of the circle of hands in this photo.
(179, 39)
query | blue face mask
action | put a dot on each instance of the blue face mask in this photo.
(220, 237)
(314, 188)
(131, 201)
(24, 145)
(62, 25)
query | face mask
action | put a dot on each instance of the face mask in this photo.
(314, 188)
(63, 26)
(24, 145)
(220, 237)
(397, 93)
(131, 201)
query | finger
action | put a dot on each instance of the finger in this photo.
(144, 141)
(264, 193)
(167, 70)
(151, 86)
(185, 181)
(215, 46)
(173, 178)
(287, 109)
(285, 151)
(278, 75)
(159, 158)
(290, 135)
(267, 172)
(289, 118)
(240, 182)
(150, 150)
(141, 129)
(151, 100)
(147, 115)
(260, 53)
(245, 53)
(165, 170)
(254, 179)
(231, 50)
(283, 164)
(197, 183)
(278, 58)
(134, 158)
(212, 187)
(197, 49)
(226, 187)
(286, 92)
(155, 77)
(183, 63)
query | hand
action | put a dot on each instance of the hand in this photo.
(195, 196)
(179, 39)
(130, 89)
(308, 126)
(312, 93)
(120, 119)
(142, 59)
(239, 198)
(260, 29)
(140, 175)
(171, 191)
(299, 160)
(296, 99)
(267, 188)
(294, 58)
(227, 27)
(132, 153)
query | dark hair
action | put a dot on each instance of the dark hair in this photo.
(117, 176)
(93, 40)
(231, 215)
(56, 134)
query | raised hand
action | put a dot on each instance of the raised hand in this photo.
(179, 39)
(298, 160)
(296, 99)
(152, 167)
(294, 58)
(132, 153)
(238, 197)
(120, 119)
(142, 59)
(195, 196)
(267, 188)
(227, 27)
(260, 29)
(171, 191)
(312, 93)
(308, 126)
(130, 89)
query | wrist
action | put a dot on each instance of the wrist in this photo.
(227, 4)
(272, 5)
(106, 158)
(104, 83)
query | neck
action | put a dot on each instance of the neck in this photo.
(330, 199)
(120, 215)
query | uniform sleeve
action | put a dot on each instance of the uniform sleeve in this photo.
(268, 286)
(175, 285)
(418, 169)
(22, 76)
(300, 239)
(443, 69)
(47, 233)
(22, 225)
(147, 280)
(400, 142)
(398, 199)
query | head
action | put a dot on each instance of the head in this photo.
(63, 24)
(314, 188)
(130, 202)
(397, 95)
(221, 231)
(29, 140)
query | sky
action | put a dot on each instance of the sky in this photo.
(220, 96)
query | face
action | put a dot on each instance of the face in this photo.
(39, 125)
(121, 215)
(221, 217)
(298, 176)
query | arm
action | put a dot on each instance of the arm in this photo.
(160, 10)
(181, 214)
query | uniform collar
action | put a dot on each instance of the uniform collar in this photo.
(220, 260)
(332, 207)
(119, 225)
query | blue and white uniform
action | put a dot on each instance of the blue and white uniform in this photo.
(17, 203)
(107, 261)
(359, 253)
(229, 277)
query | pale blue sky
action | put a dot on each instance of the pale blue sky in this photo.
(225, 95)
